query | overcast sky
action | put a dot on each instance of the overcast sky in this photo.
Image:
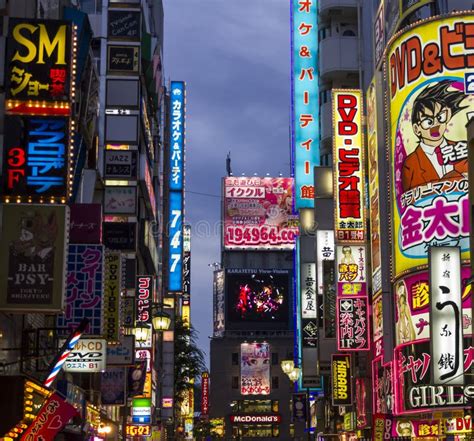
(235, 59)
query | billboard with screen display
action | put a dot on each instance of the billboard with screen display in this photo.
(257, 298)
(255, 369)
(258, 213)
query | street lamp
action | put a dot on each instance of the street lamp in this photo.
(287, 366)
(161, 320)
(142, 331)
(294, 374)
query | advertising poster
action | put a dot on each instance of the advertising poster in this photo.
(136, 379)
(258, 213)
(255, 369)
(412, 306)
(348, 158)
(32, 257)
(86, 223)
(382, 387)
(341, 375)
(85, 273)
(351, 270)
(362, 400)
(414, 388)
(219, 302)
(257, 297)
(112, 283)
(429, 105)
(305, 99)
(353, 324)
(38, 62)
(377, 323)
(374, 207)
(36, 157)
(51, 419)
(112, 386)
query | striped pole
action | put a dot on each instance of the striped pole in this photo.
(66, 349)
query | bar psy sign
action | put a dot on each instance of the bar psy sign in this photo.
(341, 380)
(39, 59)
(348, 166)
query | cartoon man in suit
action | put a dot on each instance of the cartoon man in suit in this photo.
(436, 157)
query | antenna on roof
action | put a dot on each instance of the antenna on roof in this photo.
(228, 165)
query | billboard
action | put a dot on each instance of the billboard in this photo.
(120, 200)
(36, 158)
(32, 257)
(112, 283)
(351, 270)
(219, 302)
(348, 157)
(305, 99)
(38, 62)
(341, 374)
(258, 213)
(177, 134)
(446, 315)
(257, 297)
(175, 237)
(412, 306)
(255, 369)
(84, 287)
(414, 389)
(353, 324)
(429, 106)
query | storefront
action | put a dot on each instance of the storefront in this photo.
(255, 419)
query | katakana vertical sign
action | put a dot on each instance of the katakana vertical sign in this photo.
(348, 166)
(176, 165)
(353, 324)
(305, 98)
(446, 318)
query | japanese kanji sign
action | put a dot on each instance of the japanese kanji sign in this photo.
(255, 369)
(351, 270)
(414, 390)
(258, 213)
(36, 158)
(85, 272)
(32, 257)
(177, 133)
(341, 375)
(353, 324)
(325, 250)
(429, 108)
(38, 63)
(187, 260)
(446, 316)
(308, 291)
(305, 98)
(348, 160)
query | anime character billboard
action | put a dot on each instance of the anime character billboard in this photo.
(430, 103)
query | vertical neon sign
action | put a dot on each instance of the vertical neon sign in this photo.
(305, 99)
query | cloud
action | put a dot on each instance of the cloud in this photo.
(234, 57)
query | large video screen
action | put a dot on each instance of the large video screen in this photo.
(258, 297)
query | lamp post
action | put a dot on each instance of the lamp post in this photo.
(294, 372)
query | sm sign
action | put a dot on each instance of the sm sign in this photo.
(39, 61)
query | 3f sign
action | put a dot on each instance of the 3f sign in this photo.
(35, 52)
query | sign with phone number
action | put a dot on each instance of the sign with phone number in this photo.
(259, 236)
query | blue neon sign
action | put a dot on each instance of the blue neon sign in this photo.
(305, 99)
(177, 111)
(175, 244)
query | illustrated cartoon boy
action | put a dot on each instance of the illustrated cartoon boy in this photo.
(436, 157)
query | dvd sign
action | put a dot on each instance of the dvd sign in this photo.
(89, 355)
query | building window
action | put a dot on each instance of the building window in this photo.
(275, 382)
(235, 382)
(274, 358)
(235, 358)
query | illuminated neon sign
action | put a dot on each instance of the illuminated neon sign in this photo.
(177, 111)
(175, 237)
